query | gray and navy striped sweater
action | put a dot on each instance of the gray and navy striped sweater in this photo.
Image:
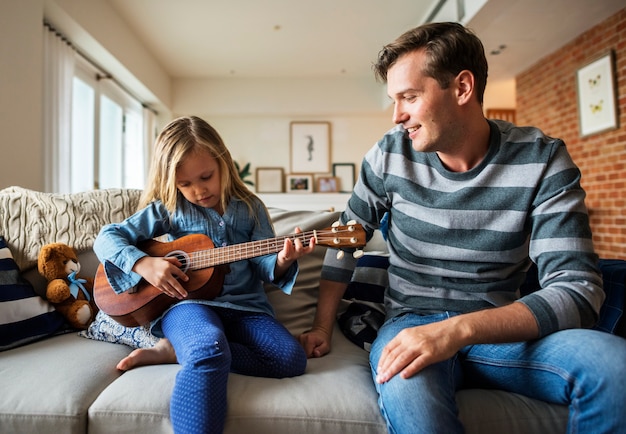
(463, 241)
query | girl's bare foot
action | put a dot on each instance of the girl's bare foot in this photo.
(161, 353)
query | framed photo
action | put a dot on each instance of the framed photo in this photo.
(344, 172)
(299, 183)
(596, 96)
(270, 180)
(327, 184)
(310, 147)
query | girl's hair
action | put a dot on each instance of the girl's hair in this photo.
(180, 139)
(451, 48)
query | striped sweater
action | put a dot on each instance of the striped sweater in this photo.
(463, 242)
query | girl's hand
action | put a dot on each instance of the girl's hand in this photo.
(292, 250)
(164, 274)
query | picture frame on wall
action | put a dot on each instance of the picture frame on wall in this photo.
(309, 147)
(595, 83)
(299, 183)
(345, 173)
(327, 184)
(270, 180)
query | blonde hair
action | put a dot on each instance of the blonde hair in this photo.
(179, 139)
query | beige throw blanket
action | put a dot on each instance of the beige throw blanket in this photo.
(31, 219)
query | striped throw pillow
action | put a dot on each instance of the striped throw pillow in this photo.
(366, 313)
(24, 315)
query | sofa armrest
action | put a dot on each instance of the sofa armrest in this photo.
(611, 318)
(612, 312)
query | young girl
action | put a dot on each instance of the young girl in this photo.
(194, 188)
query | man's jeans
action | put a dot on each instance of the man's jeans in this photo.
(584, 369)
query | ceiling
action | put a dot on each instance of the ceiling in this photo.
(332, 38)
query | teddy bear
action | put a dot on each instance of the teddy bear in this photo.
(71, 295)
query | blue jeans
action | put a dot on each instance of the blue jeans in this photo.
(584, 369)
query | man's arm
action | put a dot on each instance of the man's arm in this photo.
(316, 342)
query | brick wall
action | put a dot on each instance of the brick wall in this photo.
(547, 98)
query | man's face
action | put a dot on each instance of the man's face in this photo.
(426, 111)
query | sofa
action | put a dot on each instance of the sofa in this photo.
(63, 382)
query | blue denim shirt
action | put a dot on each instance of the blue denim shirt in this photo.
(243, 289)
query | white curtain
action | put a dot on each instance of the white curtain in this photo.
(150, 133)
(57, 110)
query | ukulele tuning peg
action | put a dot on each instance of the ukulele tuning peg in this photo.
(340, 254)
(357, 254)
(335, 224)
(351, 223)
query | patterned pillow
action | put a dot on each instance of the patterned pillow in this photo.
(369, 279)
(24, 316)
(365, 313)
(106, 329)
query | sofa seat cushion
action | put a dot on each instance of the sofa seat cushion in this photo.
(320, 401)
(335, 395)
(48, 386)
(485, 411)
(137, 402)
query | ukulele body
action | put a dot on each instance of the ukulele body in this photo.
(143, 303)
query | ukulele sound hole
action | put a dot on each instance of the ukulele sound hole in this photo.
(182, 257)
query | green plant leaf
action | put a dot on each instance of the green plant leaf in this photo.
(244, 173)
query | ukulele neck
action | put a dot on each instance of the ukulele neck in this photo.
(225, 255)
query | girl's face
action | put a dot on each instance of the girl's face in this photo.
(199, 181)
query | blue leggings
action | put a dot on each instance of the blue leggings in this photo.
(210, 342)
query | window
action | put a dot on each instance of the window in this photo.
(107, 139)
(82, 136)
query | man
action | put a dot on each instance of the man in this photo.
(470, 204)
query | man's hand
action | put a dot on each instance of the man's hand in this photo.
(316, 342)
(415, 348)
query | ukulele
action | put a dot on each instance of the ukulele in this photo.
(205, 265)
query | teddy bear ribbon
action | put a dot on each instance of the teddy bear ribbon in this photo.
(76, 284)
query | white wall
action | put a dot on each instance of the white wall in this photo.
(21, 64)
(264, 141)
(253, 116)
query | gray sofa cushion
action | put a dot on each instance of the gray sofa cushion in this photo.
(48, 386)
(320, 401)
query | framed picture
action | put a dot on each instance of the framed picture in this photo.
(310, 147)
(344, 172)
(270, 180)
(299, 183)
(327, 184)
(596, 96)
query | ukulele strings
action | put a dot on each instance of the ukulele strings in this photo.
(224, 255)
